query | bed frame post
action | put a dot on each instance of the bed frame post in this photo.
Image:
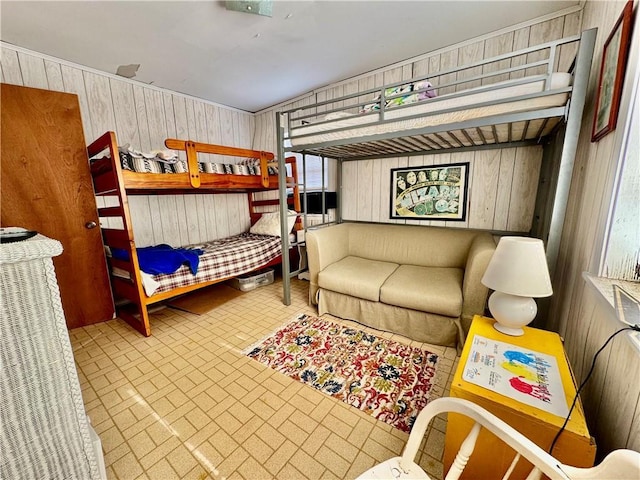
(339, 196)
(576, 108)
(284, 234)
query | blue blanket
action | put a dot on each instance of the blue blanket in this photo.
(162, 258)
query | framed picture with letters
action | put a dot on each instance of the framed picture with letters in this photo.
(433, 192)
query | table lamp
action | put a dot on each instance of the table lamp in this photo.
(517, 272)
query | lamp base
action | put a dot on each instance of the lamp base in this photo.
(511, 312)
(514, 332)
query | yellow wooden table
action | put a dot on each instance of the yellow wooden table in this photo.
(492, 457)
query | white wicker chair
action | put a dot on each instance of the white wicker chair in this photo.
(618, 465)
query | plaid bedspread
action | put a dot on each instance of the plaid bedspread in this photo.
(224, 258)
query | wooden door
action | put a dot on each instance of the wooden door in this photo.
(46, 186)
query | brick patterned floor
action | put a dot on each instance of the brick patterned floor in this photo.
(185, 403)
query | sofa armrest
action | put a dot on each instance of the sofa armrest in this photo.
(324, 247)
(474, 293)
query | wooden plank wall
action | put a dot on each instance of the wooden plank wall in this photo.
(612, 396)
(502, 183)
(144, 117)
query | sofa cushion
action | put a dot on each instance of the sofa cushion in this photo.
(428, 289)
(357, 277)
(411, 244)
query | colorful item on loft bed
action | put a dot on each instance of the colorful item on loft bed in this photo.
(420, 90)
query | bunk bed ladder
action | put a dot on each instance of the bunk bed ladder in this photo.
(108, 181)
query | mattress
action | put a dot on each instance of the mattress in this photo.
(365, 125)
(223, 258)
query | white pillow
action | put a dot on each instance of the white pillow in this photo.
(269, 223)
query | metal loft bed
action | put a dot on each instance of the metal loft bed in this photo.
(532, 106)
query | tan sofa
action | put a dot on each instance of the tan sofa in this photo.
(421, 282)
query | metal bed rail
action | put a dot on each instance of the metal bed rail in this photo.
(353, 104)
(549, 63)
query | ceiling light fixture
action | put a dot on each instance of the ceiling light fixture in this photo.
(259, 7)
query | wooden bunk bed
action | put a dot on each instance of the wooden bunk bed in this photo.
(536, 103)
(111, 179)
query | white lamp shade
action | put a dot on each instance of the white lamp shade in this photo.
(519, 267)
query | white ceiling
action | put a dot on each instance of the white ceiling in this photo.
(249, 61)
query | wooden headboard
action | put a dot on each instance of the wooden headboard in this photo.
(293, 202)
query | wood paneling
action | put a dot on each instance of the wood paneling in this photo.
(141, 117)
(74, 83)
(505, 183)
(502, 188)
(526, 171)
(467, 55)
(484, 192)
(144, 117)
(567, 53)
(495, 46)
(541, 33)
(124, 110)
(10, 67)
(33, 71)
(100, 103)
(350, 195)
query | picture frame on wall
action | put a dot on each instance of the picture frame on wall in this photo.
(430, 192)
(612, 70)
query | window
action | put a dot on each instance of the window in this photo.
(622, 253)
(314, 180)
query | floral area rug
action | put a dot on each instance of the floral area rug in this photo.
(381, 377)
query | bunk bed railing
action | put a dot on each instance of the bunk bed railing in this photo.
(369, 111)
(384, 97)
(193, 148)
(553, 47)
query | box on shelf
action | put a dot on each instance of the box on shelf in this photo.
(252, 280)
